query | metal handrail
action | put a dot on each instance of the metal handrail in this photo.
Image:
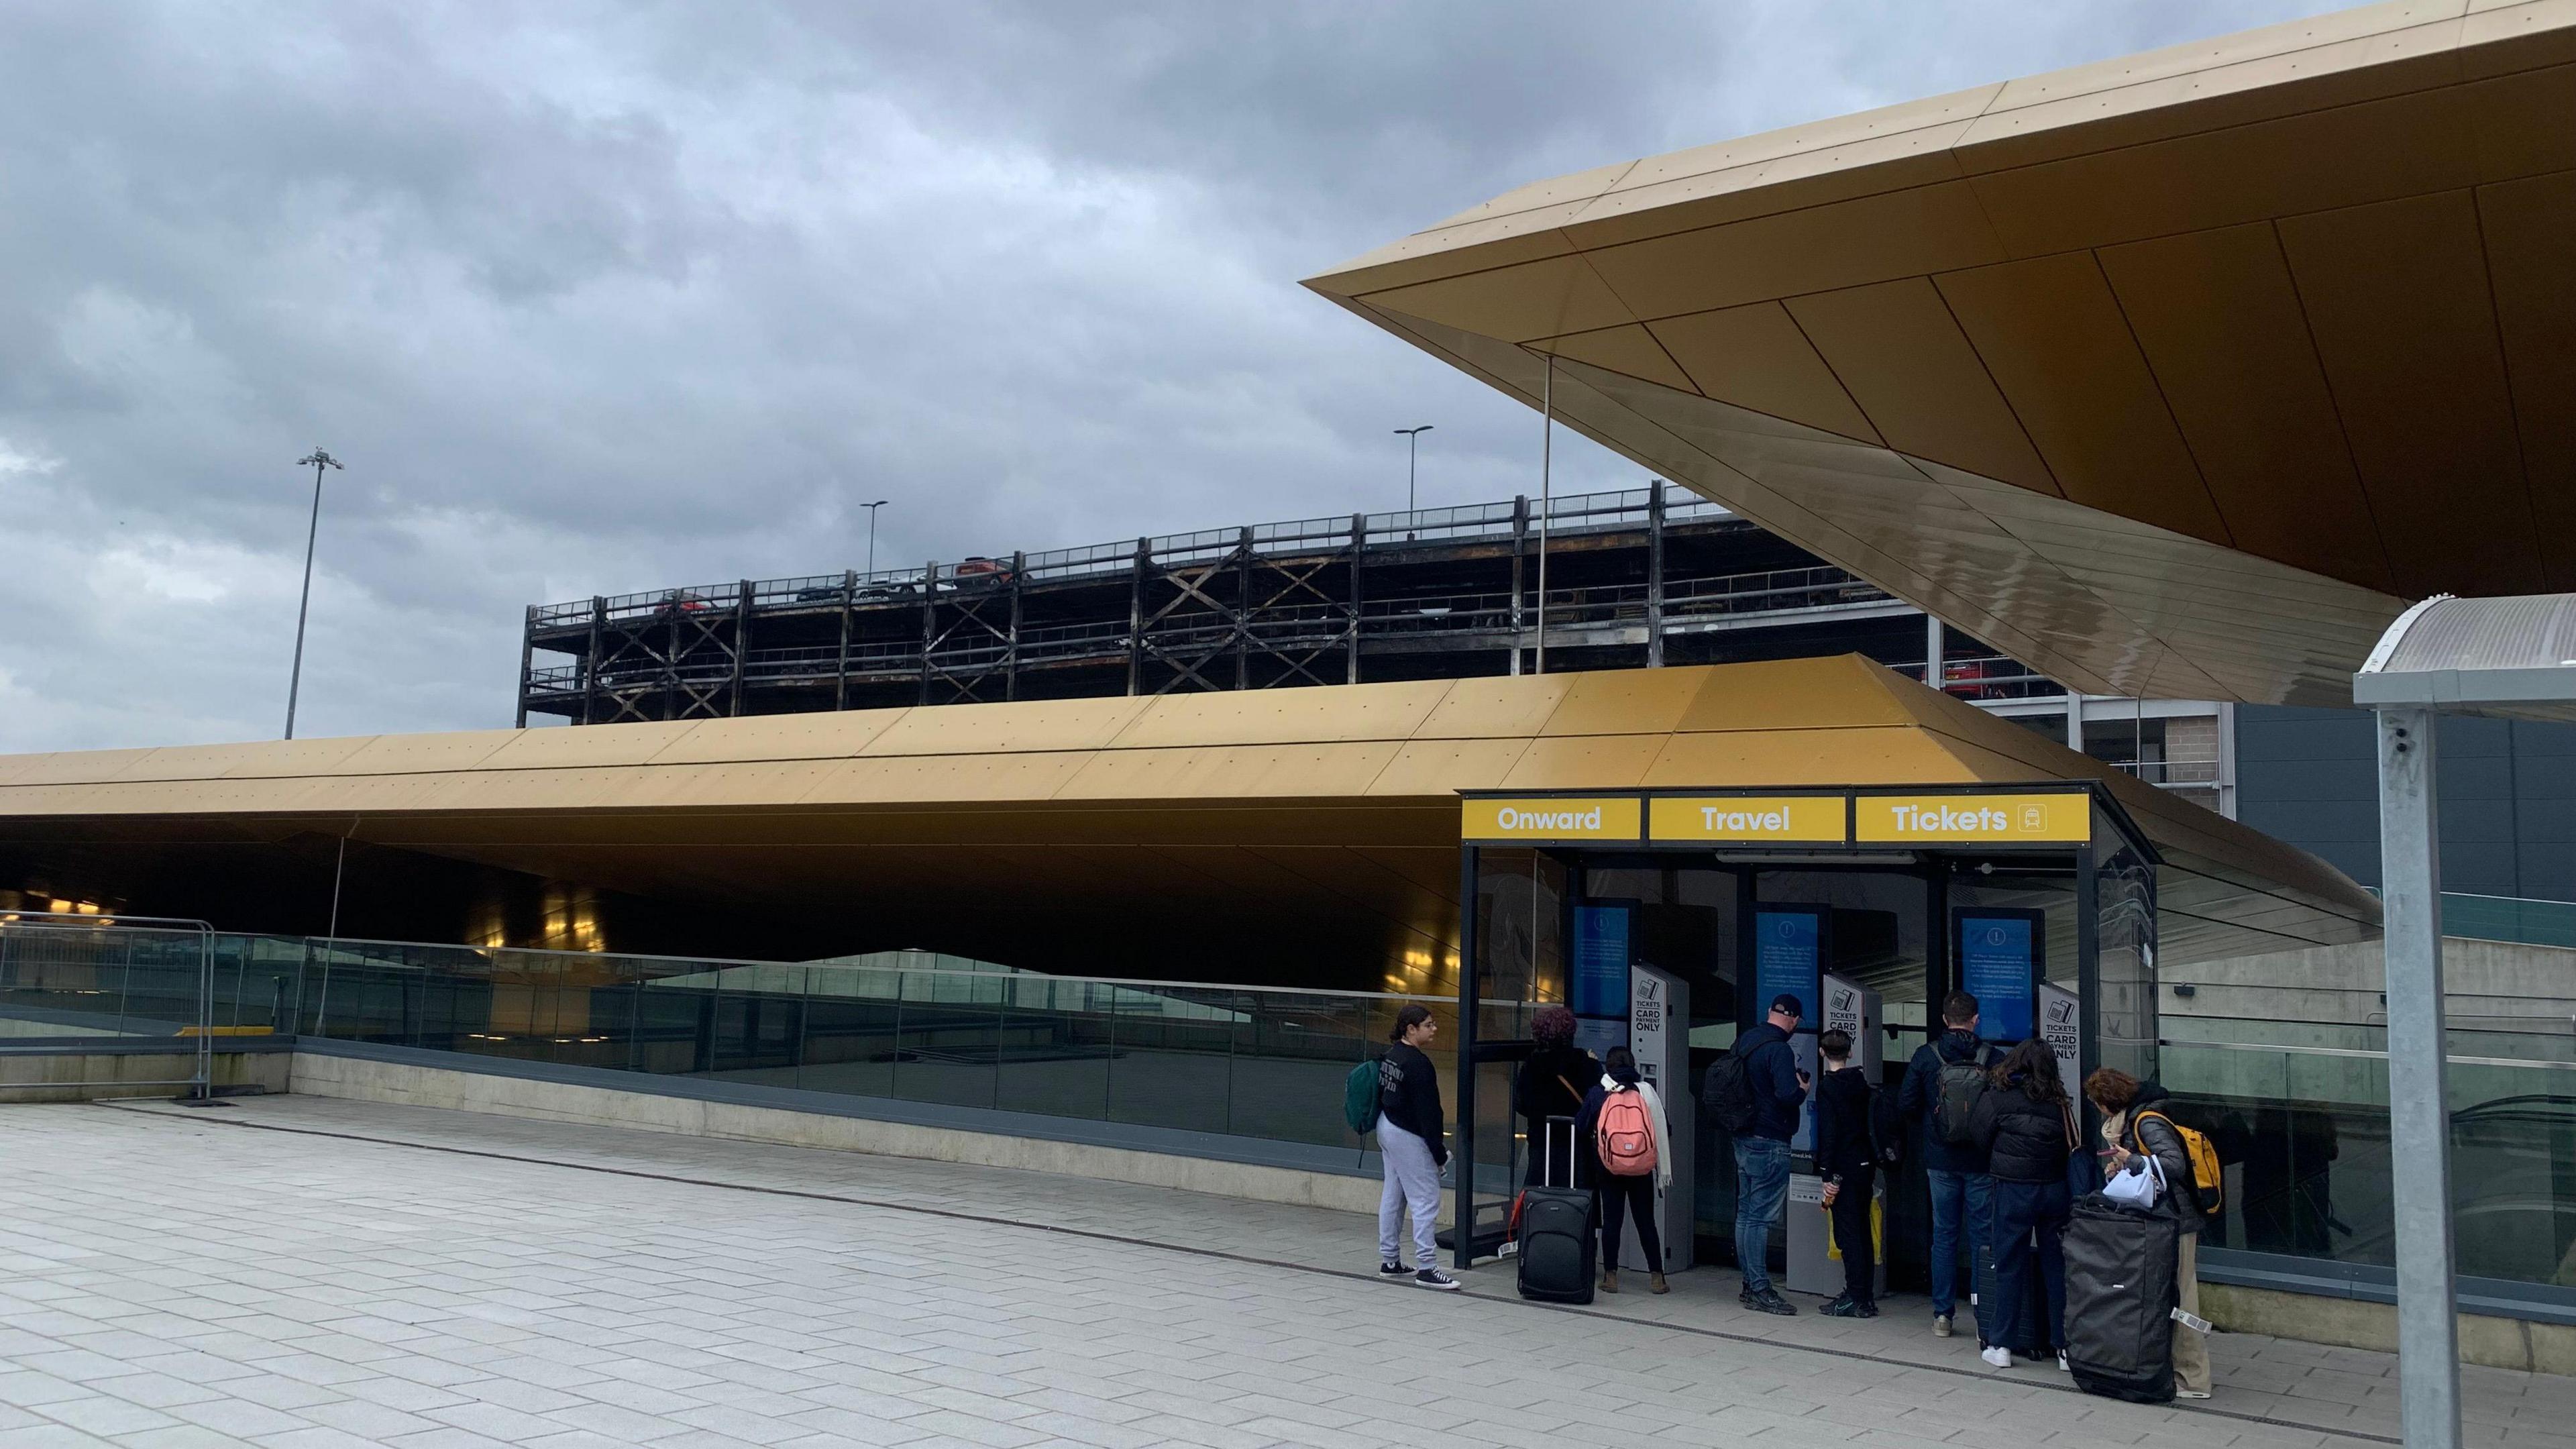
(1573, 513)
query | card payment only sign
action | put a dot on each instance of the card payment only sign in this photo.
(1610, 818)
(2004, 819)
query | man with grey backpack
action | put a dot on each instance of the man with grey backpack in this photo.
(1941, 1088)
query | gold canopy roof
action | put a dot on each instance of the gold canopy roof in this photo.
(2176, 375)
(999, 824)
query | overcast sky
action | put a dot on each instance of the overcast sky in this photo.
(596, 298)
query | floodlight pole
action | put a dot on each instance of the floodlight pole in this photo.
(2419, 1117)
(872, 531)
(303, 605)
(1546, 477)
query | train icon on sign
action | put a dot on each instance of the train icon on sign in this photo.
(2034, 818)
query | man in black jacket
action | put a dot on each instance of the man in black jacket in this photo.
(1762, 1150)
(1961, 1186)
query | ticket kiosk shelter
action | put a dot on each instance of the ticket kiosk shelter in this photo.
(2040, 897)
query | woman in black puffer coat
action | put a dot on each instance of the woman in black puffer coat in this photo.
(2027, 1126)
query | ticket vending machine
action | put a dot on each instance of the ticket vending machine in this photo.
(1813, 1268)
(1659, 1033)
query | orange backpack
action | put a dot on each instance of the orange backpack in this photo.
(1625, 1134)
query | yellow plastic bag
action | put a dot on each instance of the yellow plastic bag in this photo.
(1877, 1233)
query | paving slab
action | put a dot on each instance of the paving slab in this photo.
(311, 1270)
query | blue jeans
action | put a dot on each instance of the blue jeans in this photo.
(1972, 1195)
(2024, 1212)
(1761, 1181)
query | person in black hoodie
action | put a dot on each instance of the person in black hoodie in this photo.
(1553, 1083)
(1413, 1145)
(2027, 1127)
(1847, 1158)
(1962, 1190)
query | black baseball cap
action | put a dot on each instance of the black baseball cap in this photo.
(1787, 1004)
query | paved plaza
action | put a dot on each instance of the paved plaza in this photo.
(300, 1273)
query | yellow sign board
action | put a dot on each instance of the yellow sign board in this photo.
(1596, 817)
(1748, 818)
(2000, 819)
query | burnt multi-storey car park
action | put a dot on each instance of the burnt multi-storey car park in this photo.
(1637, 578)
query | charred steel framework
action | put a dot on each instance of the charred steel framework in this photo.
(1638, 577)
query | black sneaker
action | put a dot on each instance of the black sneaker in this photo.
(1434, 1278)
(1841, 1307)
(1393, 1269)
(1770, 1301)
(1868, 1310)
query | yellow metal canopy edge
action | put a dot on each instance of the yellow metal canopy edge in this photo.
(2053, 813)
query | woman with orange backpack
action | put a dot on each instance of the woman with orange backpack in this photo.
(1623, 1117)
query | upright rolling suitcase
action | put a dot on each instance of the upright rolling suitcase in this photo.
(1558, 1244)
(2120, 1299)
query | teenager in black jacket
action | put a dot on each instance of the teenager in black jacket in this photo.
(1413, 1145)
(2027, 1127)
(1847, 1158)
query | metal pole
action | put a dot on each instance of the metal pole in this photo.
(1546, 464)
(2419, 1119)
(1932, 661)
(1655, 574)
(304, 603)
(1462, 1219)
(872, 531)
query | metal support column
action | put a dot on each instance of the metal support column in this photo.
(1933, 664)
(1546, 502)
(1136, 612)
(1520, 543)
(2075, 720)
(527, 661)
(590, 660)
(2088, 965)
(2419, 1118)
(841, 665)
(1243, 610)
(1359, 552)
(1655, 574)
(1462, 1219)
(741, 642)
(929, 622)
(1011, 660)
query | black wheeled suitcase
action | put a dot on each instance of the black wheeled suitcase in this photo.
(1558, 1243)
(2120, 1299)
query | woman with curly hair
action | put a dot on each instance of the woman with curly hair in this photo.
(1553, 1083)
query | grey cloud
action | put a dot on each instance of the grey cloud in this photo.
(602, 297)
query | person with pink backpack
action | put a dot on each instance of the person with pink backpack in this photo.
(1625, 1119)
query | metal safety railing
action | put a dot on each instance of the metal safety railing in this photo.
(70, 980)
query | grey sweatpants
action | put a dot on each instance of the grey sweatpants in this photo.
(1412, 1180)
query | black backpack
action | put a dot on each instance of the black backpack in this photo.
(1726, 1093)
(1961, 1083)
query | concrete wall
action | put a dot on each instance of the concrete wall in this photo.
(2503, 999)
(47, 1078)
(364, 1080)
(2507, 1343)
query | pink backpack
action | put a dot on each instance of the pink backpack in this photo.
(1625, 1134)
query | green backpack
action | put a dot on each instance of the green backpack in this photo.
(1359, 1098)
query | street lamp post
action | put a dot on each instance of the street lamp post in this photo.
(1412, 447)
(312, 530)
(872, 530)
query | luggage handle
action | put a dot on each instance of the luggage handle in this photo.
(1547, 1152)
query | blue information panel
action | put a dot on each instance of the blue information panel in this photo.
(1787, 957)
(1999, 965)
(1601, 962)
